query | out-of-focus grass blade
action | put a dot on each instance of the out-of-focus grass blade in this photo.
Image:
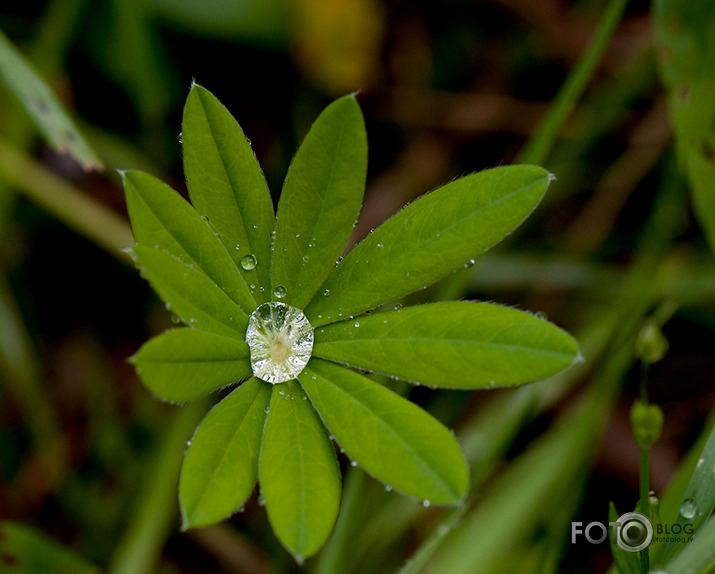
(44, 108)
(24, 549)
(686, 42)
(699, 500)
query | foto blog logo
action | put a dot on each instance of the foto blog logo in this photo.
(632, 531)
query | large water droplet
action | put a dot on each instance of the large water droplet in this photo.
(688, 509)
(279, 292)
(280, 339)
(249, 262)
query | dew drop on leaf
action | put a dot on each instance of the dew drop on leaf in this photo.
(326, 292)
(426, 503)
(688, 509)
(279, 292)
(380, 244)
(249, 262)
(353, 463)
(388, 488)
(357, 324)
(280, 340)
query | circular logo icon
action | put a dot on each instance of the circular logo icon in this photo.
(634, 533)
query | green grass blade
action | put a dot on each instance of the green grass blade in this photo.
(453, 345)
(226, 184)
(389, 437)
(685, 32)
(185, 364)
(538, 147)
(43, 106)
(699, 500)
(429, 239)
(220, 467)
(190, 294)
(163, 220)
(298, 472)
(26, 550)
(72, 206)
(320, 201)
(698, 556)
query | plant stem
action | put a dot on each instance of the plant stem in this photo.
(69, 204)
(645, 500)
(538, 147)
(149, 524)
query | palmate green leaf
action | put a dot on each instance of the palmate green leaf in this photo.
(190, 294)
(685, 33)
(184, 364)
(320, 201)
(220, 467)
(298, 472)
(391, 438)
(43, 106)
(460, 345)
(226, 184)
(24, 550)
(428, 239)
(162, 219)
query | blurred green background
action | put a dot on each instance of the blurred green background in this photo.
(88, 458)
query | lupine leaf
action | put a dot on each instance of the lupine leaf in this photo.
(429, 239)
(320, 201)
(226, 184)
(390, 437)
(220, 467)
(195, 298)
(462, 344)
(298, 472)
(162, 219)
(184, 364)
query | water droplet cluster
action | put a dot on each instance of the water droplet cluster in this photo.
(280, 339)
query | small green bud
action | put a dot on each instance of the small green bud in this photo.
(647, 423)
(651, 344)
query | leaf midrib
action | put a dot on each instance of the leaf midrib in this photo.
(232, 194)
(393, 432)
(197, 263)
(224, 455)
(388, 262)
(403, 340)
(301, 270)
